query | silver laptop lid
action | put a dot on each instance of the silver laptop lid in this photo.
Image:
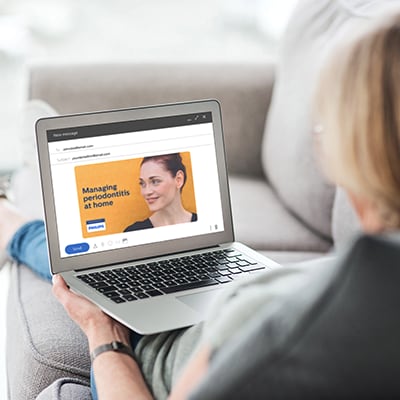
(95, 208)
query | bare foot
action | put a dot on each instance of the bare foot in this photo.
(10, 221)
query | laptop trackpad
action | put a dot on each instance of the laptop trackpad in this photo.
(199, 301)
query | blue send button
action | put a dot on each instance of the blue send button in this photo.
(77, 248)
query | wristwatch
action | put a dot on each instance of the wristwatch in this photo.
(118, 347)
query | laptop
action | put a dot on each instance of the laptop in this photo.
(109, 234)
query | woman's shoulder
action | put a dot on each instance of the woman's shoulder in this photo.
(138, 225)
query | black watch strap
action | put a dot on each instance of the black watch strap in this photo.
(118, 347)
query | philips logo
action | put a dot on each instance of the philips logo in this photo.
(96, 225)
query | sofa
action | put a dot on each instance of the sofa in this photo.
(283, 206)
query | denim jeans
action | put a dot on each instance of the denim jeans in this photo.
(28, 246)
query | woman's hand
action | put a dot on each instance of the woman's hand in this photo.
(100, 329)
(97, 326)
(117, 375)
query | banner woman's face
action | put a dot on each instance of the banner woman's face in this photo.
(158, 187)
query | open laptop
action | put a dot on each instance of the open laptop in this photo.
(151, 278)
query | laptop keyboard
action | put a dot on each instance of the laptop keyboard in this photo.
(131, 283)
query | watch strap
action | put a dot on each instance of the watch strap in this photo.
(116, 346)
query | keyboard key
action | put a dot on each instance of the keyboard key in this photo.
(159, 285)
(111, 294)
(130, 297)
(153, 293)
(106, 289)
(235, 270)
(224, 279)
(97, 285)
(122, 285)
(117, 299)
(224, 272)
(134, 288)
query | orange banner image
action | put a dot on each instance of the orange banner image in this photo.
(110, 196)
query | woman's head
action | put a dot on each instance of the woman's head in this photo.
(358, 104)
(162, 179)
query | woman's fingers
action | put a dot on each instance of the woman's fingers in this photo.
(60, 289)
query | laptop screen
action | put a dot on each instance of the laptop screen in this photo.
(129, 183)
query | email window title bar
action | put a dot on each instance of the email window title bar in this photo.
(80, 132)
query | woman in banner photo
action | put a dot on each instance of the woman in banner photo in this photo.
(162, 179)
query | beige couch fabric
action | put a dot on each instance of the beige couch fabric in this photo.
(289, 159)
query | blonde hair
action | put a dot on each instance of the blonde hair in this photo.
(358, 103)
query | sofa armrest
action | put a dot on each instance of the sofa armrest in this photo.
(244, 92)
(64, 389)
(43, 343)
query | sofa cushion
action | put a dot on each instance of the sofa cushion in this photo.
(43, 344)
(288, 159)
(243, 90)
(263, 223)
